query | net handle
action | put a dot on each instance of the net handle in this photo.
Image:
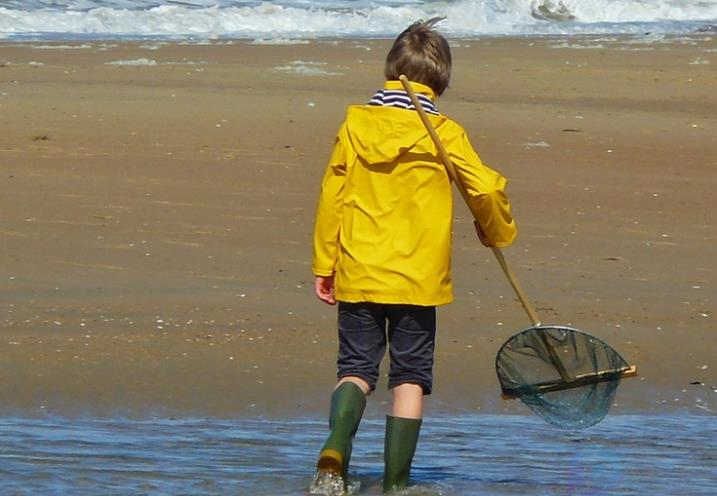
(445, 158)
(581, 380)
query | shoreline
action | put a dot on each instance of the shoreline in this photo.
(646, 37)
(383, 26)
(157, 221)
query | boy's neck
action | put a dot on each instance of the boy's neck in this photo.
(417, 87)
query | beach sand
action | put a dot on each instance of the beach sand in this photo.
(156, 218)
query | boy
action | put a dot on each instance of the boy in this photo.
(382, 246)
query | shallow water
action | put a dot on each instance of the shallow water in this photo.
(457, 455)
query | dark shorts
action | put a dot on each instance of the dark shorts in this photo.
(364, 329)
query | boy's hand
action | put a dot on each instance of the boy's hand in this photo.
(324, 287)
(482, 236)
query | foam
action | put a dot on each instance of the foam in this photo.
(279, 41)
(699, 61)
(61, 47)
(307, 68)
(152, 62)
(283, 20)
(578, 46)
(133, 62)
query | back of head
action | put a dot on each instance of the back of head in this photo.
(422, 55)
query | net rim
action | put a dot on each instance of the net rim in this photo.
(546, 327)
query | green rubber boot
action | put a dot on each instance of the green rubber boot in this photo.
(399, 448)
(347, 406)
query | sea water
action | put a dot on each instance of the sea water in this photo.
(281, 19)
(457, 455)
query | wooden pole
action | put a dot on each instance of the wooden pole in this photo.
(446, 159)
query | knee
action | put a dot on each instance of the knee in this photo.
(361, 383)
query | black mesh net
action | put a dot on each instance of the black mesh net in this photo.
(566, 376)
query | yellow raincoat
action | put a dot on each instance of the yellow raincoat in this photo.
(384, 218)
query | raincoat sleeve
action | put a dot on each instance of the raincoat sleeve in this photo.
(328, 212)
(486, 191)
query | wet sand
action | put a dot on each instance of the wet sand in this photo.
(155, 219)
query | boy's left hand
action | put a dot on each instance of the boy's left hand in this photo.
(324, 287)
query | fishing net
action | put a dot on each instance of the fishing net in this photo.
(564, 375)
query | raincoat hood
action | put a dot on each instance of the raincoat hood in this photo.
(383, 135)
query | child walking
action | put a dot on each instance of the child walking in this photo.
(382, 246)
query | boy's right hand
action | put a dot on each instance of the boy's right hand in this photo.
(324, 287)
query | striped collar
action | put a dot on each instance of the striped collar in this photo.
(393, 95)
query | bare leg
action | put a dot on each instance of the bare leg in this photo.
(363, 385)
(408, 401)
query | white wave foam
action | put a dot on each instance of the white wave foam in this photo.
(133, 62)
(578, 46)
(699, 61)
(629, 11)
(61, 47)
(152, 62)
(152, 46)
(298, 19)
(278, 41)
(304, 68)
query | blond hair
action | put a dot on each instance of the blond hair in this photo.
(422, 55)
